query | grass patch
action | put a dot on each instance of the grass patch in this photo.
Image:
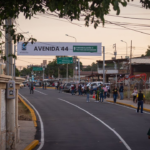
(147, 96)
(23, 112)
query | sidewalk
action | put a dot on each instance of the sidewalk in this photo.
(27, 133)
(129, 103)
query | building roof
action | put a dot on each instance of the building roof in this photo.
(111, 60)
(140, 61)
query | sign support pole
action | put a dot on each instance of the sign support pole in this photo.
(79, 68)
(67, 73)
(103, 65)
(43, 73)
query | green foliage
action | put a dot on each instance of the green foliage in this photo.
(17, 73)
(145, 3)
(53, 67)
(147, 53)
(26, 71)
(91, 11)
(88, 68)
(147, 96)
(92, 67)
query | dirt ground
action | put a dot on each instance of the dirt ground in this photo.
(23, 112)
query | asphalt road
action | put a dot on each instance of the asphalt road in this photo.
(70, 123)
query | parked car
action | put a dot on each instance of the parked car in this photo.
(67, 87)
(38, 84)
(21, 85)
(25, 83)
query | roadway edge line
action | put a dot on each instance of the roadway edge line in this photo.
(123, 141)
(41, 123)
(145, 109)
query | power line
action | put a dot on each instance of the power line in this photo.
(129, 17)
(128, 28)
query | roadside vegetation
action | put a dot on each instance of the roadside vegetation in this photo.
(23, 112)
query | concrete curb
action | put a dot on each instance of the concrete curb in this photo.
(128, 105)
(31, 110)
(32, 145)
(49, 88)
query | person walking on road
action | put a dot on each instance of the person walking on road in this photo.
(105, 91)
(102, 94)
(97, 95)
(148, 133)
(56, 85)
(72, 89)
(31, 88)
(91, 90)
(115, 94)
(87, 94)
(60, 87)
(121, 92)
(134, 94)
(140, 98)
(79, 89)
(45, 86)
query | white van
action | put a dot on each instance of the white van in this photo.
(95, 84)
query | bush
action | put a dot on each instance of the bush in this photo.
(147, 96)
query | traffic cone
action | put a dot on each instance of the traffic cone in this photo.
(93, 94)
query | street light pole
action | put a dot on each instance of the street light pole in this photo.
(73, 56)
(72, 37)
(43, 72)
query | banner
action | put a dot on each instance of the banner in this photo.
(59, 49)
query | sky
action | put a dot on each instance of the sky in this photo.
(52, 29)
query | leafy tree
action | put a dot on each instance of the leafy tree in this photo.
(26, 71)
(91, 11)
(147, 53)
(52, 69)
(17, 73)
(145, 3)
(88, 68)
(94, 66)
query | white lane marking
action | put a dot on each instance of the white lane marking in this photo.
(41, 123)
(40, 92)
(122, 140)
(127, 107)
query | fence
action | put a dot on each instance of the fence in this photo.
(129, 86)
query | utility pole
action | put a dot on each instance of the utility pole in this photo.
(58, 72)
(103, 65)
(130, 71)
(10, 103)
(130, 57)
(79, 68)
(115, 52)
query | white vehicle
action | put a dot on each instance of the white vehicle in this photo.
(95, 84)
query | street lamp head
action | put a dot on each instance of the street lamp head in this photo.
(121, 40)
(66, 34)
